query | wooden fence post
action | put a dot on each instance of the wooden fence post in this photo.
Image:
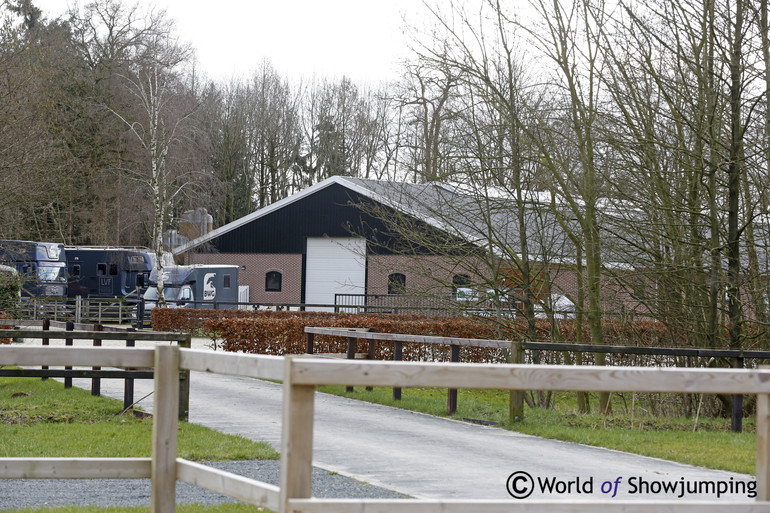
(96, 383)
(398, 356)
(736, 423)
(184, 384)
(46, 341)
(351, 355)
(763, 445)
(68, 342)
(164, 429)
(310, 343)
(78, 308)
(128, 383)
(451, 398)
(296, 439)
(516, 404)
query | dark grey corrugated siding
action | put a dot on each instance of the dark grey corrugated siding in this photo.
(328, 212)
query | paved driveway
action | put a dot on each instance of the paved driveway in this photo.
(428, 457)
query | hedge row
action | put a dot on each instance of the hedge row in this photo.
(284, 334)
(6, 323)
(189, 319)
(278, 333)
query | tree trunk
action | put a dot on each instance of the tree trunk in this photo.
(734, 171)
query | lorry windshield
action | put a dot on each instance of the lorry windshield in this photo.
(52, 272)
(170, 293)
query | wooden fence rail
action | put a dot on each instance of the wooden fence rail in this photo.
(96, 335)
(516, 349)
(301, 374)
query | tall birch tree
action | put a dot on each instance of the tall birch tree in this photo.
(158, 122)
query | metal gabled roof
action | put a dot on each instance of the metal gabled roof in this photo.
(489, 221)
(254, 215)
(397, 195)
(445, 207)
(363, 187)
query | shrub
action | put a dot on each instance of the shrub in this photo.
(282, 332)
(189, 319)
(10, 293)
(5, 326)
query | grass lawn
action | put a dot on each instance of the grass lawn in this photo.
(43, 419)
(711, 445)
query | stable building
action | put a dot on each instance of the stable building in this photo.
(327, 240)
(334, 243)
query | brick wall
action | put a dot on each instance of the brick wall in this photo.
(256, 266)
(434, 275)
(431, 275)
(427, 274)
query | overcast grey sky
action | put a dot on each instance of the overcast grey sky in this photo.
(361, 39)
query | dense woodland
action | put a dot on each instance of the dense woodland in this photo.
(641, 127)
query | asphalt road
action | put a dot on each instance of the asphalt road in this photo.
(429, 457)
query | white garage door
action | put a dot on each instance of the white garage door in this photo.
(334, 266)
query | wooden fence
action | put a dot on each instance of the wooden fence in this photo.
(398, 339)
(516, 350)
(95, 334)
(79, 309)
(300, 375)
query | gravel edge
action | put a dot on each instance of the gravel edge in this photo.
(33, 493)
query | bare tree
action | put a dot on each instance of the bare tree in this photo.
(224, 116)
(36, 169)
(424, 96)
(158, 122)
(273, 135)
(485, 126)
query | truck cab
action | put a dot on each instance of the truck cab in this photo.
(41, 265)
(195, 286)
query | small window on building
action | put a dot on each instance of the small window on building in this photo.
(396, 283)
(460, 281)
(273, 281)
(113, 269)
(101, 269)
(76, 270)
(226, 281)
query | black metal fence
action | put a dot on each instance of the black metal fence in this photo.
(394, 303)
